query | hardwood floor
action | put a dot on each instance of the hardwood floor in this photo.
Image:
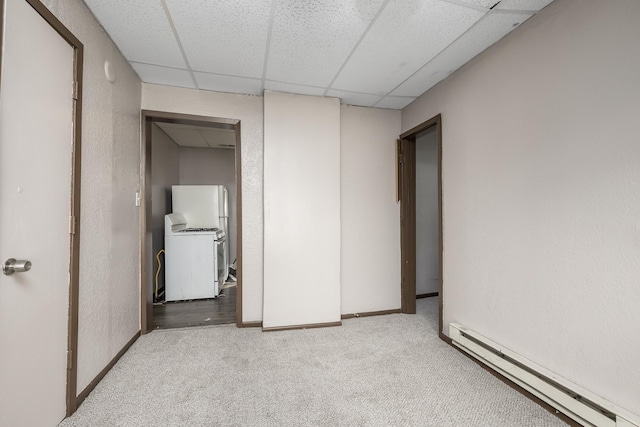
(215, 311)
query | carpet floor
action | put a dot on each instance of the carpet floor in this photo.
(388, 370)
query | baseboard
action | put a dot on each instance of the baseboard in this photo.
(88, 389)
(310, 326)
(255, 324)
(371, 313)
(579, 403)
(570, 421)
(428, 295)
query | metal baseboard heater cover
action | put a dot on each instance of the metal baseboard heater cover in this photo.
(567, 397)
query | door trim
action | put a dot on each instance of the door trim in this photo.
(74, 249)
(146, 289)
(407, 180)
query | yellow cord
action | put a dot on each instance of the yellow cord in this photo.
(158, 270)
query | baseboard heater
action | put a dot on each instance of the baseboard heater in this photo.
(570, 399)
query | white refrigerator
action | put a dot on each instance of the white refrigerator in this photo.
(203, 206)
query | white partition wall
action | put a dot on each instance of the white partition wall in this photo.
(301, 210)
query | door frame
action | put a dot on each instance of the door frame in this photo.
(74, 229)
(146, 256)
(406, 168)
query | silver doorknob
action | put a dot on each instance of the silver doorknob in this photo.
(12, 265)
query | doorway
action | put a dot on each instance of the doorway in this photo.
(429, 132)
(182, 152)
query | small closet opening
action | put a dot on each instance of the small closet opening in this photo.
(194, 227)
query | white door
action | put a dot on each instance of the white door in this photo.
(36, 135)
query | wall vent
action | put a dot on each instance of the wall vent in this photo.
(571, 399)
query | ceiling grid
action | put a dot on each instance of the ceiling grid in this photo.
(382, 53)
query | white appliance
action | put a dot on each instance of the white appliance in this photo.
(194, 259)
(205, 206)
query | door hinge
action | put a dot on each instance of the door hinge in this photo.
(69, 359)
(72, 225)
(74, 90)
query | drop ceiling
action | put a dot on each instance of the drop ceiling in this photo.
(199, 136)
(372, 53)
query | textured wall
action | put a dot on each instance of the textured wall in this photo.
(109, 254)
(248, 109)
(213, 166)
(369, 215)
(427, 247)
(540, 191)
(165, 172)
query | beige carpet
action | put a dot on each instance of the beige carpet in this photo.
(374, 371)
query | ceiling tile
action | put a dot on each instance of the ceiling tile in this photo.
(488, 31)
(353, 98)
(218, 137)
(475, 3)
(223, 36)
(407, 34)
(395, 102)
(311, 39)
(163, 75)
(523, 4)
(291, 88)
(232, 84)
(184, 136)
(140, 29)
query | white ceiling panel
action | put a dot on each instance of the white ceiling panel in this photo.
(367, 52)
(395, 102)
(217, 138)
(184, 136)
(291, 88)
(353, 98)
(223, 36)
(232, 84)
(485, 4)
(140, 29)
(311, 40)
(199, 136)
(523, 4)
(163, 75)
(485, 33)
(405, 36)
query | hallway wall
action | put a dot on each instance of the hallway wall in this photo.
(427, 245)
(369, 213)
(368, 133)
(540, 193)
(248, 109)
(165, 172)
(109, 308)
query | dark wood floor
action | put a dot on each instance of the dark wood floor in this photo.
(215, 311)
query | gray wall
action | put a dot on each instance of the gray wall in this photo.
(427, 262)
(205, 166)
(109, 298)
(369, 213)
(165, 172)
(541, 174)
